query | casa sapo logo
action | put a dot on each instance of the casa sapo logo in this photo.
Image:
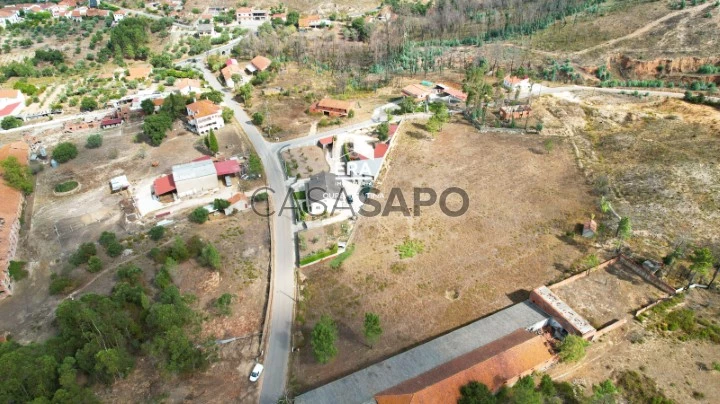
(371, 201)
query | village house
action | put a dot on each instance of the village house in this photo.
(232, 68)
(238, 203)
(417, 92)
(511, 112)
(279, 16)
(12, 102)
(309, 22)
(204, 116)
(258, 64)
(187, 86)
(119, 15)
(11, 204)
(205, 29)
(451, 92)
(325, 193)
(8, 16)
(332, 107)
(514, 82)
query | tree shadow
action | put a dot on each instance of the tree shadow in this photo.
(537, 150)
(416, 135)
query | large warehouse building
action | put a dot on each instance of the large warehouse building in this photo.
(196, 177)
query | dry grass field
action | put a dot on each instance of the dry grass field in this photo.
(522, 202)
(303, 6)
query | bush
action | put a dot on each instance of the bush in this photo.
(179, 251)
(17, 175)
(88, 104)
(221, 204)
(261, 197)
(258, 119)
(114, 249)
(94, 264)
(65, 152)
(337, 261)
(83, 254)
(199, 215)
(106, 238)
(156, 233)
(222, 304)
(66, 186)
(572, 348)
(94, 141)
(319, 255)
(17, 270)
(10, 122)
(210, 257)
(60, 284)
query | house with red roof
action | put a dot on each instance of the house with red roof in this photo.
(258, 64)
(12, 102)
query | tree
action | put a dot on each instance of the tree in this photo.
(106, 238)
(10, 122)
(258, 118)
(383, 131)
(292, 18)
(371, 328)
(604, 393)
(17, 175)
(227, 114)
(214, 96)
(245, 93)
(179, 251)
(324, 335)
(88, 104)
(114, 249)
(572, 348)
(407, 105)
(476, 393)
(255, 166)
(64, 152)
(624, 230)
(702, 261)
(83, 254)
(477, 90)
(94, 264)
(199, 215)
(148, 106)
(156, 232)
(210, 256)
(211, 142)
(221, 204)
(433, 125)
(524, 392)
(155, 127)
(94, 141)
(548, 145)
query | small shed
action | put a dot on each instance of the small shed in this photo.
(238, 202)
(119, 183)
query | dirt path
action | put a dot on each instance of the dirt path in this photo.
(643, 30)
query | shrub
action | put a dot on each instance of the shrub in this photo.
(410, 248)
(10, 122)
(114, 249)
(210, 257)
(106, 238)
(572, 348)
(17, 270)
(94, 141)
(222, 304)
(17, 175)
(156, 233)
(324, 335)
(66, 186)
(60, 284)
(195, 246)
(179, 251)
(64, 152)
(83, 254)
(221, 204)
(94, 264)
(199, 215)
(258, 118)
(261, 197)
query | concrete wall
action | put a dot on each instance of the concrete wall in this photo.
(583, 274)
(197, 185)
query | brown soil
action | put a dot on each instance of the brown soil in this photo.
(508, 242)
(305, 161)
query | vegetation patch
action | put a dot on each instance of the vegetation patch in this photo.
(410, 248)
(317, 256)
(17, 270)
(337, 261)
(638, 388)
(66, 186)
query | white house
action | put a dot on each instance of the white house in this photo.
(118, 15)
(238, 202)
(244, 14)
(514, 82)
(204, 116)
(9, 16)
(187, 86)
(11, 102)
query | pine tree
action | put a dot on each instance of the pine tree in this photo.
(213, 142)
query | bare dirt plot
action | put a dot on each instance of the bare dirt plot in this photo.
(509, 242)
(679, 368)
(608, 294)
(305, 161)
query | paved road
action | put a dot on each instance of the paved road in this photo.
(282, 289)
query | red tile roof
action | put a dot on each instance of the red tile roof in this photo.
(237, 198)
(493, 364)
(335, 104)
(326, 140)
(380, 150)
(163, 185)
(393, 128)
(227, 167)
(8, 109)
(261, 63)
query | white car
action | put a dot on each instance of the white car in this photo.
(256, 372)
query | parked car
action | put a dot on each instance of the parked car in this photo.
(228, 181)
(256, 372)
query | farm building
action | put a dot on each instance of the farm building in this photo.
(332, 107)
(417, 92)
(514, 82)
(195, 177)
(515, 112)
(110, 123)
(119, 183)
(453, 93)
(258, 64)
(569, 319)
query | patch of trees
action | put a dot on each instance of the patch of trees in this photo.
(129, 39)
(99, 338)
(10, 122)
(52, 56)
(156, 126)
(525, 391)
(64, 152)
